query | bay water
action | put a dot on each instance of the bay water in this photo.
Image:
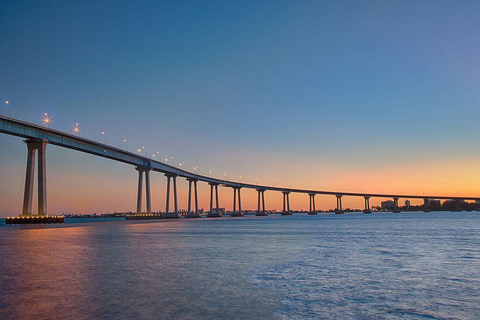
(411, 265)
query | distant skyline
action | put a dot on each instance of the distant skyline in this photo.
(376, 96)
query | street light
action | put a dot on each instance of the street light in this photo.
(143, 147)
(46, 120)
(225, 176)
(126, 144)
(104, 137)
(274, 183)
(211, 173)
(241, 179)
(7, 103)
(76, 129)
(256, 181)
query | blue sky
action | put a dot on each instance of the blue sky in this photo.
(294, 91)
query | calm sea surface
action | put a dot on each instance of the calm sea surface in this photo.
(355, 266)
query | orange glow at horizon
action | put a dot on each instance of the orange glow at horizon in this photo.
(112, 187)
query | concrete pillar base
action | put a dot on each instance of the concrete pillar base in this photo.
(339, 211)
(428, 210)
(286, 213)
(367, 211)
(171, 215)
(261, 214)
(237, 214)
(396, 211)
(142, 216)
(312, 213)
(34, 219)
(192, 215)
(214, 215)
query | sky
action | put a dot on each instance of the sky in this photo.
(373, 96)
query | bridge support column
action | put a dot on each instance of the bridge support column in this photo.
(239, 203)
(426, 205)
(42, 179)
(286, 204)
(32, 147)
(196, 197)
(147, 190)
(261, 196)
(214, 212)
(236, 213)
(339, 209)
(141, 171)
(42, 216)
(396, 208)
(168, 214)
(189, 212)
(367, 205)
(312, 204)
(140, 189)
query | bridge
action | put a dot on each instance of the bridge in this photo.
(37, 137)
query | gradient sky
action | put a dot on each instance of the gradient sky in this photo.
(374, 96)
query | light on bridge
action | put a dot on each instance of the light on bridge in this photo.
(46, 120)
(7, 103)
(76, 129)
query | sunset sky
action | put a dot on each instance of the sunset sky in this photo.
(374, 96)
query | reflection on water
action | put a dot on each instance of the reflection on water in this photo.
(384, 266)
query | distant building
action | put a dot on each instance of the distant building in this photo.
(387, 205)
(407, 204)
(434, 204)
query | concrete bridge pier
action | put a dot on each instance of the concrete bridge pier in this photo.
(41, 217)
(189, 212)
(312, 204)
(214, 212)
(367, 205)
(141, 171)
(140, 189)
(148, 213)
(261, 195)
(339, 209)
(426, 205)
(286, 204)
(457, 205)
(236, 213)
(396, 208)
(168, 214)
(32, 147)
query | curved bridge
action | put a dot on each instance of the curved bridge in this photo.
(38, 137)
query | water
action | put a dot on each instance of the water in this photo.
(355, 266)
